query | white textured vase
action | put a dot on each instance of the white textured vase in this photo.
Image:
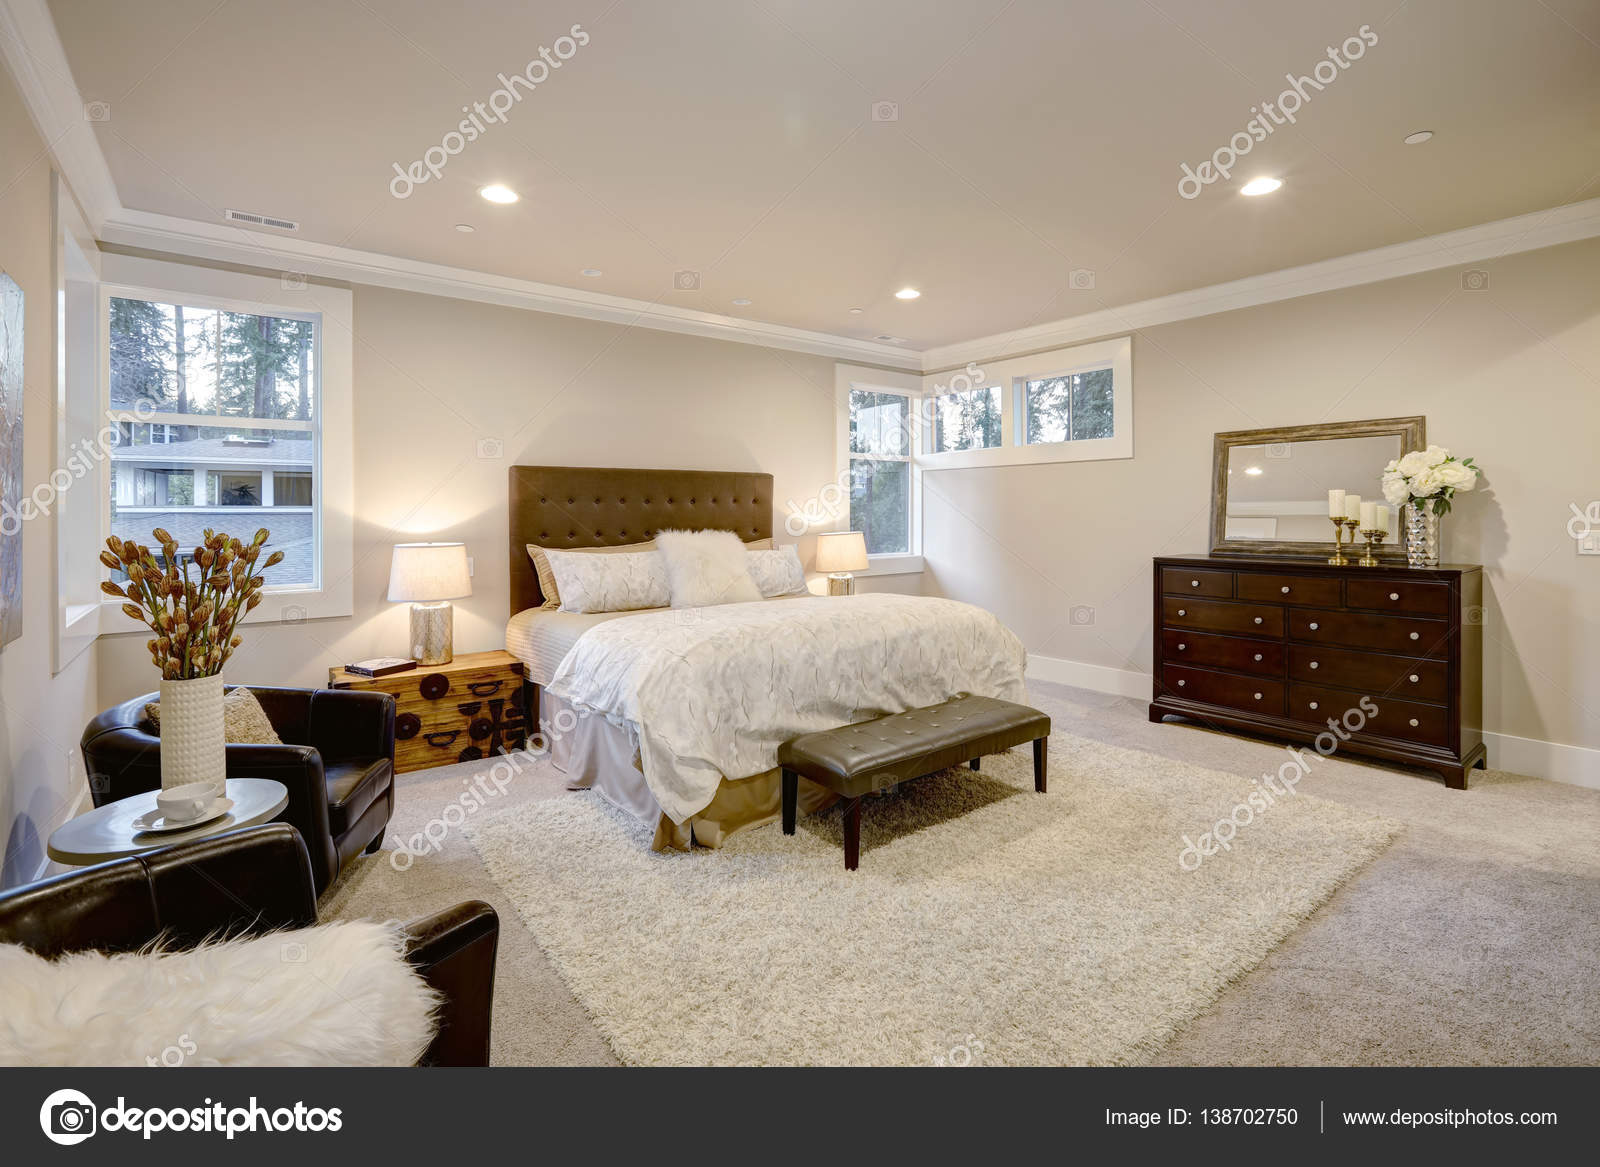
(193, 744)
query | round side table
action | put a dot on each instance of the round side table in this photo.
(107, 832)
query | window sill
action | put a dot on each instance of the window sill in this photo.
(891, 565)
(287, 605)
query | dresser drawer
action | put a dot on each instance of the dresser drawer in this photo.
(1363, 630)
(1370, 672)
(1218, 616)
(1289, 589)
(1406, 720)
(1399, 595)
(1253, 693)
(1222, 652)
(1181, 581)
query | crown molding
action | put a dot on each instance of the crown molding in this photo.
(1487, 241)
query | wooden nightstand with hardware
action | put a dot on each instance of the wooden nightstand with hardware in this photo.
(468, 709)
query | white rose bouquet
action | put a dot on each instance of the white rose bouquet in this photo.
(1428, 479)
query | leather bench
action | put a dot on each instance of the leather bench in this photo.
(856, 760)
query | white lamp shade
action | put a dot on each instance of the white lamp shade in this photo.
(422, 572)
(842, 551)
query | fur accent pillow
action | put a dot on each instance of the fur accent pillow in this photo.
(778, 573)
(706, 567)
(610, 583)
(339, 994)
(244, 722)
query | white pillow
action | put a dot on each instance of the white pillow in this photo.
(339, 994)
(609, 583)
(706, 567)
(778, 573)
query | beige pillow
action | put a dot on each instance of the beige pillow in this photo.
(547, 578)
(244, 722)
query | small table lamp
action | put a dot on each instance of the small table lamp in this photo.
(839, 553)
(430, 575)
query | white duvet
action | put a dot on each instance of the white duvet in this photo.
(712, 692)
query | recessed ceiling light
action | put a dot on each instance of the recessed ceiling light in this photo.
(465, 228)
(498, 193)
(1252, 470)
(742, 302)
(907, 294)
(857, 311)
(1418, 138)
(591, 272)
(1260, 186)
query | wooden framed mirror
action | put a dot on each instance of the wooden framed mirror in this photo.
(1269, 487)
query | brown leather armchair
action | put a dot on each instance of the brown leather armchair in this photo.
(249, 882)
(337, 762)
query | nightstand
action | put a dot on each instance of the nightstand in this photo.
(468, 709)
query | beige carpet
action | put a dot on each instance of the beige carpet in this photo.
(986, 922)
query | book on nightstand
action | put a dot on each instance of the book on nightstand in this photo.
(381, 666)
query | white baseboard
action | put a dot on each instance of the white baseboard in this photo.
(1574, 765)
(1099, 678)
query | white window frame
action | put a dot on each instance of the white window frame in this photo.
(909, 386)
(333, 449)
(1012, 376)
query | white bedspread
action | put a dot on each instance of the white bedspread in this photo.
(712, 692)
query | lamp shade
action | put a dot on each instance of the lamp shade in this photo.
(842, 551)
(429, 571)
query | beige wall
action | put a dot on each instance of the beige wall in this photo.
(433, 376)
(41, 715)
(1510, 375)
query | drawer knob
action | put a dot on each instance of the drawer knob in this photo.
(1181, 612)
(1313, 705)
(1394, 595)
(1284, 589)
(1415, 722)
(1416, 636)
(1181, 684)
(1258, 696)
(1313, 625)
(1181, 647)
(1194, 583)
(1314, 664)
(1413, 678)
(1258, 656)
(1258, 619)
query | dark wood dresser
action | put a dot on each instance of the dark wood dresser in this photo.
(1280, 646)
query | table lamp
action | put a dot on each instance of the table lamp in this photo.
(430, 575)
(839, 553)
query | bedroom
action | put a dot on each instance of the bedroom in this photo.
(701, 274)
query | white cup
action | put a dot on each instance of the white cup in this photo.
(182, 803)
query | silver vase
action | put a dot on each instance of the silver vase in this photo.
(1422, 537)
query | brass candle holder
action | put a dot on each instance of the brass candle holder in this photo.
(1374, 541)
(1337, 559)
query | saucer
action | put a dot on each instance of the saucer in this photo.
(155, 822)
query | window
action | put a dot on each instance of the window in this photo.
(878, 491)
(1070, 405)
(235, 394)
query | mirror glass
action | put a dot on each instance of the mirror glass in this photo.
(1279, 490)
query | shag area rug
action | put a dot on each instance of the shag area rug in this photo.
(987, 924)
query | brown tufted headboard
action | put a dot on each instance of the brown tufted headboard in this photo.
(582, 506)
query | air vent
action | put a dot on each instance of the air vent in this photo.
(261, 220)
(887, 339)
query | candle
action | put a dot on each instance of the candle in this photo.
(1352, 506)
(1336, 504)
(1369, 516)
(1383, 520)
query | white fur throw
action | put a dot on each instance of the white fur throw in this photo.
(336, 994)
(706, 567)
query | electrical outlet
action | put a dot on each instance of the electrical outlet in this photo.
(1589, 544)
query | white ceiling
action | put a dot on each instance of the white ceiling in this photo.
(735, 139)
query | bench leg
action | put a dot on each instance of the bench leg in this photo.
(852, 833)
(973, 763)
(1041, 748)
(791, 796)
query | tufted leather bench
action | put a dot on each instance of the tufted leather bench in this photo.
(855, 760)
